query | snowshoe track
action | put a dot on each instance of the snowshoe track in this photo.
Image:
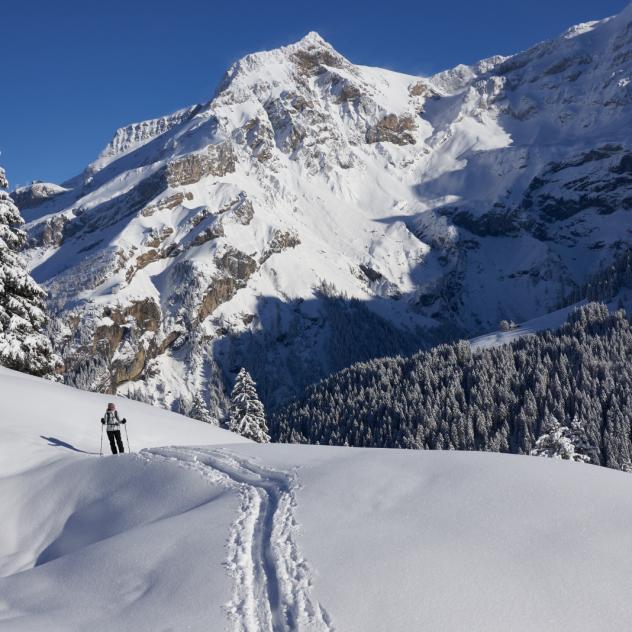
(272, 582)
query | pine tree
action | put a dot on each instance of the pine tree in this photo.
(247, 416)
(23, 346)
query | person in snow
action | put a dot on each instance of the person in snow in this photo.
(112, 425)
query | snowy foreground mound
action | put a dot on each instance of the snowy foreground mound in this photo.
(276, 537)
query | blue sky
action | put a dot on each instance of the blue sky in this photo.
(73, 71)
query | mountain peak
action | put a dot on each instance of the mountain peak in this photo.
(308, 53)
(311, 40)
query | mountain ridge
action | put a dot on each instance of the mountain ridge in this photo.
(311, 191)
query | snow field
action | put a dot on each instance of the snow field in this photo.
(245, 537)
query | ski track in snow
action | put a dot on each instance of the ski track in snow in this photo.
(272, 582)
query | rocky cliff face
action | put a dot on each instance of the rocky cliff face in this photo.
(315, 213)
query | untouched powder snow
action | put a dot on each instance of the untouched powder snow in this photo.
(276, 537)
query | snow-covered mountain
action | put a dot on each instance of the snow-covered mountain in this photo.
(241, 232)
(255, 538)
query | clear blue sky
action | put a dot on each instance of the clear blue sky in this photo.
(73, 71)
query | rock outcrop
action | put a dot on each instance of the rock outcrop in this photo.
(393, 129)
(34, 194)
(216, 160)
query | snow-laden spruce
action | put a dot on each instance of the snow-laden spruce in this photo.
(23, 346)
(562, 442)
(247, 415)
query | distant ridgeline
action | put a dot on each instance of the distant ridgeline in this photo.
(496, 399)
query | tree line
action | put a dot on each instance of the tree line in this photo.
(499, 399)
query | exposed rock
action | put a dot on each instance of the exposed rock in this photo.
(50, 232)
(128, 369)
(565, 189)
(239, 208)
(146, 314)
(156, 237)
(35, 193)
(243, 211)
(169, 203)
(107, 338)
(421, 89)
(168, 340)
(312, 60)
(128, 339)
(200, 216)
(498, 222)
(259, 136)
(281, 240)
(393, 129)
(624, 166)
(219, 291)
(114, 210)
(237, 264)
(141, 261)
(566, 63)
(347, 91)
(288, 134)
(139, 133)
(214, 231)
(151, 256)
(217, 160)
(237, 267)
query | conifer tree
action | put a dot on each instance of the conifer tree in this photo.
(247, 415)
(199, 410)
(23, 346)
(554, 443)
(582, 443)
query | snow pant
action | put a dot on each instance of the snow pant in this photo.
(115, 439)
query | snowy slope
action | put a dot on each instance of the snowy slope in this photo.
(275, 537)
(51, 435)
(553, 320)
(219, 236)
(44, 422)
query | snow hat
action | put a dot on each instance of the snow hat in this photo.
(111, 406)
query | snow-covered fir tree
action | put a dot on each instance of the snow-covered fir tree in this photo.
(23, 346)
(556, 443)
(582, 442)
(199, 410)
(247, 415)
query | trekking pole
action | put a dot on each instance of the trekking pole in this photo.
(125, 426)
(101, 448)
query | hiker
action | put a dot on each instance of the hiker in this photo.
(112, 425)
